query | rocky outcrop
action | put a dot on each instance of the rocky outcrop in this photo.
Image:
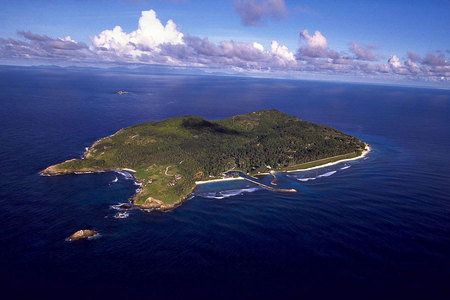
(153, 204)
(53, 170)
(82, 234)
(123, 206)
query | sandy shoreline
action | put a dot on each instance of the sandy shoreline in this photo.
(364, 153)
(128, 170)
(218, 180)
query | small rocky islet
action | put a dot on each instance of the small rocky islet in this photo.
(82, 234)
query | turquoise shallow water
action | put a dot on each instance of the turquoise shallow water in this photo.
(374, 227)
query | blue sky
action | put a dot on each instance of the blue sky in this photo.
(382, 33)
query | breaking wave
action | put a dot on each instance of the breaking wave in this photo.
(228, 193)
(115, 180)
(125, 174)
(121, 215)
(326, 174)
(120, 206)
(345, 167)
(318, 176)
(306, 179)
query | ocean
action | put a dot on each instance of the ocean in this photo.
(377, 227)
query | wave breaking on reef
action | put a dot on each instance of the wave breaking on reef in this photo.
(88, 172)
(227, 193)
(327, 174)
(121, 215)
(306, 179)
(125, 174)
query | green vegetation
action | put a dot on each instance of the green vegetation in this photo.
(170, 155)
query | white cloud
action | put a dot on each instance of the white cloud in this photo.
(154, 43)
(258, 46)
(147, 38)
(317, 40)
(282, 52)
(412, 66)
(316, 44)
(394, 61)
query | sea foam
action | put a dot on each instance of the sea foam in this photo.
(306, 179)
(121, 215)
(326, 174)
(227, 193)
(318, 176)
(125, 174)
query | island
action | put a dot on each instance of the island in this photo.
(168, 158)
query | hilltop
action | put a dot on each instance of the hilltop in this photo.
(167, 157)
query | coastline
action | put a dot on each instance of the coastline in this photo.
(363, 154)
(218, 180)
(161, 208)
(50, 171)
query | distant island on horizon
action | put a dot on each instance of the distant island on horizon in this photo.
(168, 158)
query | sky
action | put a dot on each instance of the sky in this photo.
(393, 41)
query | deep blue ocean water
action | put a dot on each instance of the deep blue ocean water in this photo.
(373, 228)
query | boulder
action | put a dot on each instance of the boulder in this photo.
(82, 234)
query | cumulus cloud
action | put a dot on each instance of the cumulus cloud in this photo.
(255, 12)
(144, 40)
(436, 65)
(362, 52)
(318, 57)
(153, 42)
(394, 62)
(314, 45)
(202, 52)
(282, 52)
(431, 65)
(412, 67)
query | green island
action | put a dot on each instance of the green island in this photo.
(168, 157)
